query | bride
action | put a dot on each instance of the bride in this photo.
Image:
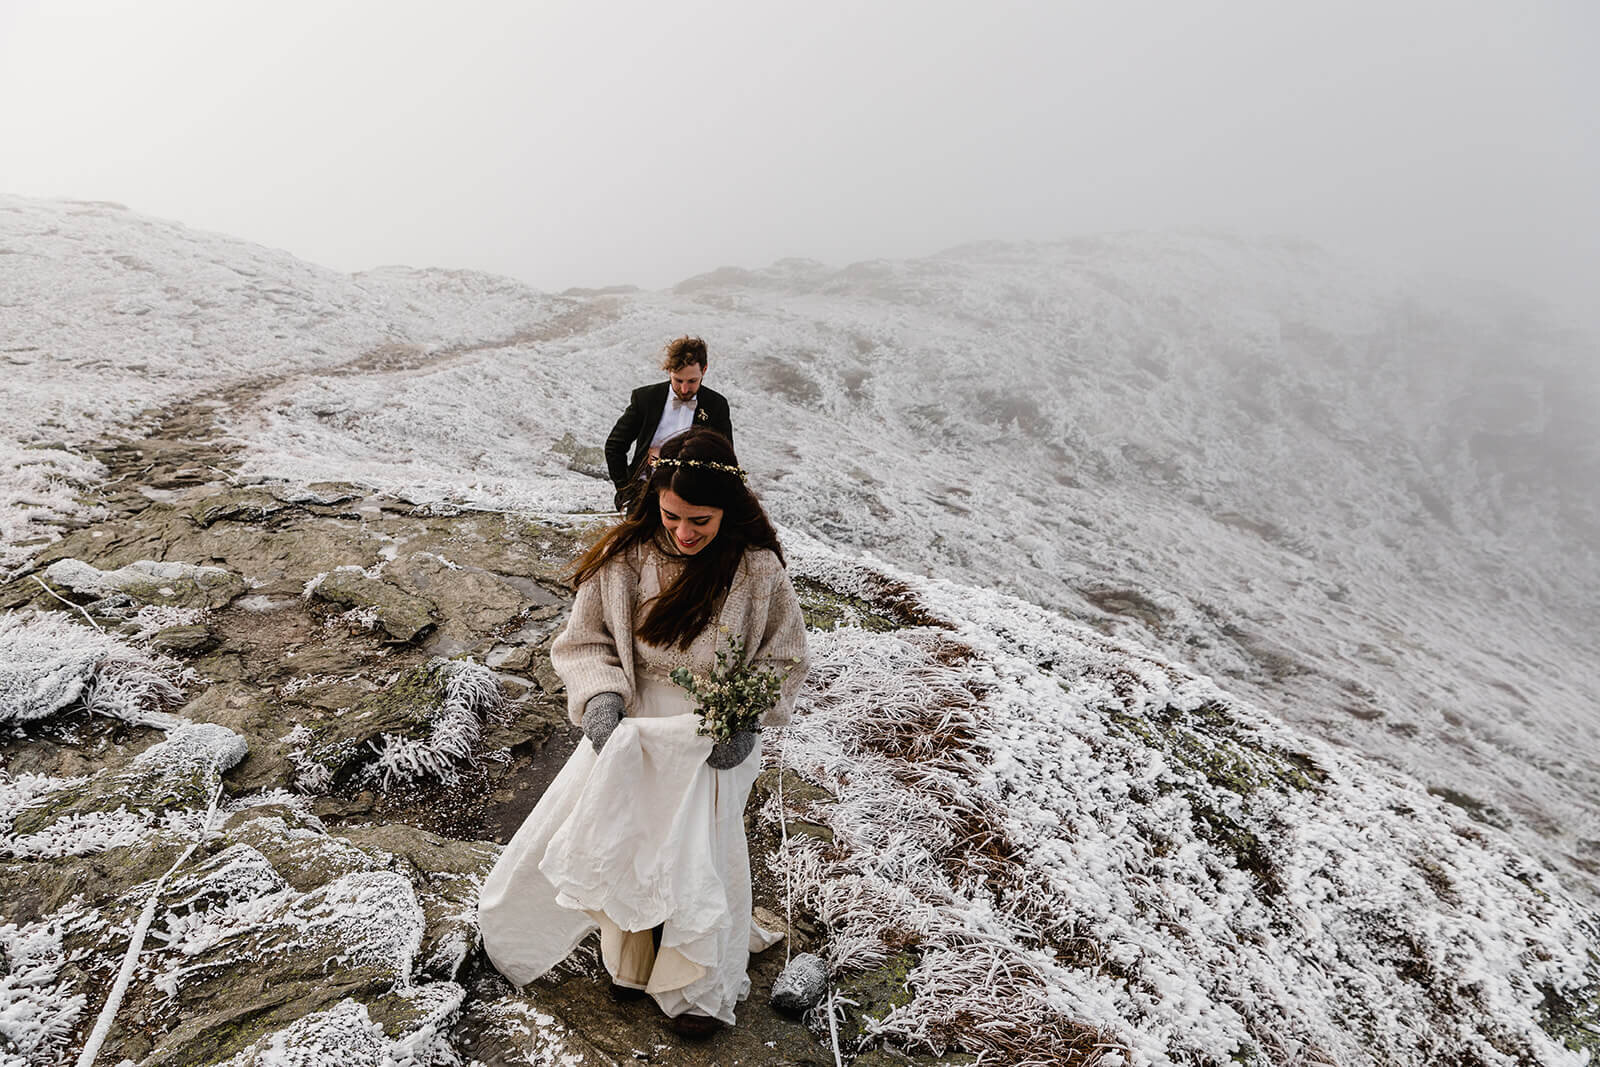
(641, 835)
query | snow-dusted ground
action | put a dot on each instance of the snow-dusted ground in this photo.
(104, 313)
(1068, 831)
(1363, 508)
(1353, 501)
(1067, 828)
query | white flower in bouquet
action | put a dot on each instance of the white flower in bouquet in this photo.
(734, 696)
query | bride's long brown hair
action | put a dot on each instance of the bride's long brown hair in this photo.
(685, 607)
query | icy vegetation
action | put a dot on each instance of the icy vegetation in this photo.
(48, 662)
(468, 692)
(1204, 636)
(38, 487)
(35, 1019)
(1081, 845)
(107, 313)
(1302, 480)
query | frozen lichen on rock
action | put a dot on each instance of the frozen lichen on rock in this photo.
(165, 583)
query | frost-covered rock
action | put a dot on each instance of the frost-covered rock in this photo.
(356, 937)
(321, 494)
(801, 985)
(184, 640)
(403, 617)
(151, 582)
(298, 845)
(342, 933)
(234, 875)
(447, 875)
(470, 600)
(403, 1028)
(182, 772)
(273, 938)
(244, 505)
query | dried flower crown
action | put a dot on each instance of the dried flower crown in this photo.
(706, 463)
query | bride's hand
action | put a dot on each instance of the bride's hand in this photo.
(726, 755)
(601, 714)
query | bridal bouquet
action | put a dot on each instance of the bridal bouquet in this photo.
(734, 695)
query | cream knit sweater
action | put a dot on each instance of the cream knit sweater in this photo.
(595, 654)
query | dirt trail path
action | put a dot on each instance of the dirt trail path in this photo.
(181, 444)
(342, 597)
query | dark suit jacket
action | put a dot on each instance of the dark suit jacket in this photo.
(638, 425)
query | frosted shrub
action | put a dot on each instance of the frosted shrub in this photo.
(309, 775)
(48, 662)
(37, 1020)
(470, 691)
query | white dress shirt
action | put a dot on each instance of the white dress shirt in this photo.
(676, 417)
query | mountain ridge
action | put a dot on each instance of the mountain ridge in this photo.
(1201, 459)
(1273, 453)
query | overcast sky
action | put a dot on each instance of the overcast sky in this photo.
(591, 143)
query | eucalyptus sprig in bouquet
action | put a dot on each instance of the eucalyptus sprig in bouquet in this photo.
(734, 696)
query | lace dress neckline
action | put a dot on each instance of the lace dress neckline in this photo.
(658, 569)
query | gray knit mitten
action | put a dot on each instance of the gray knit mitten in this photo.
(726, 755)
(600, 716)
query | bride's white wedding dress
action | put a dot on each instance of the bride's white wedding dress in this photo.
(639, 836)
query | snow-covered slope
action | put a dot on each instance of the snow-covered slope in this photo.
(1362, 505)
(1366, 505)
(1071, 833)
(104, 313)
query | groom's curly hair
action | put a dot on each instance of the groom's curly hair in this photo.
(689, 604)
(682, 352)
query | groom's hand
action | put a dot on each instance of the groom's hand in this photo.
(726, 755)
(601, 714)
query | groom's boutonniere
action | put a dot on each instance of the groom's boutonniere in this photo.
(700, 415)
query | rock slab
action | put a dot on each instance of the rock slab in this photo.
(801, 985)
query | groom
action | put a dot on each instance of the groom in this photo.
(657, 412)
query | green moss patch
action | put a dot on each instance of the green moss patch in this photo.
(1480, 811)
(826, 609)
(876, 993)
(1210, 742)
(1572, 1016)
